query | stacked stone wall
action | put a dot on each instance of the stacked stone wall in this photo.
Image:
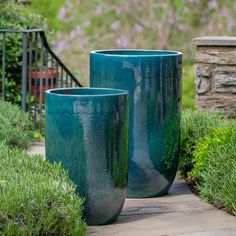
(216, 77)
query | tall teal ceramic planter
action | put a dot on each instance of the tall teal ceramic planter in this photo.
(153, 79)
(87, 130)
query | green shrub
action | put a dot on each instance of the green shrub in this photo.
(36, 197)
(217, 138)
(195, 124)
(217, 170)
(14, 125)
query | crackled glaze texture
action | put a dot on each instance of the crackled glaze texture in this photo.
(153, 79)
(87, 130)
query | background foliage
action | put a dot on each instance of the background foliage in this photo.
(12, 16)
(152, 24)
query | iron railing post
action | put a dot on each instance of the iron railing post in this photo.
(24, 72)
(30, 71)
(52, 80)
(35, 78)
(41, 83)
(47, 70)
(3, 63)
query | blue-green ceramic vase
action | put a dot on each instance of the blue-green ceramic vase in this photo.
(87, 130)
(153, 79)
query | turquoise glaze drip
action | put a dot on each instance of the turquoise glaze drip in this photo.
(87, 131)
(153, 79)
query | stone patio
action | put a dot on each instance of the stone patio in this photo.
(178, 213)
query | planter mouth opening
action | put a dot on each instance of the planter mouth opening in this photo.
(136, 53)
(86, 92)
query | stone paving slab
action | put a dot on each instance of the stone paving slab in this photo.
(37, 148)
(180, 213)
(226, 232)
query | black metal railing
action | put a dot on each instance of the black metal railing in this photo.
(41, 69)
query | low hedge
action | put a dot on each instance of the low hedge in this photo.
(206, 147)
(215, 168)
(36, 197)
(195, 124)
(14, 126)
(209, 148)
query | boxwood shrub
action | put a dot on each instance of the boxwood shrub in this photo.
(215, 167)
(206, 147)
(195, 124)
(36, 197)
(14, 125)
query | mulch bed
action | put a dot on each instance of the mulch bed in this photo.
(192, 186)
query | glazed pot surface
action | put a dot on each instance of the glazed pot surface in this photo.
(153, 79)
(87, 130)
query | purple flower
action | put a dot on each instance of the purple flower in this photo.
(83, 41)
(118, 11)
(230, 24)
(99, 11)
(212, 5)
(138, 28)
(224, 12)
(115, 25)
(60, 46)
(182, 27)
(194, 1)
(220, 25)
(171, 20)
(87, 23)
(211, 26)
(158, 25)
(73, 35)
(79, 30)
(62, 13)
(122, 42)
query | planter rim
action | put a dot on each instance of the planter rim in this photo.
(136, 53)
(87, 92)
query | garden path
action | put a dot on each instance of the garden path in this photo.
(178, 213)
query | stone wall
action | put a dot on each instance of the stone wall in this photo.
(216, 74)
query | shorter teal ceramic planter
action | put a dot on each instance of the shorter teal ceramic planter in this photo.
(87, 130)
